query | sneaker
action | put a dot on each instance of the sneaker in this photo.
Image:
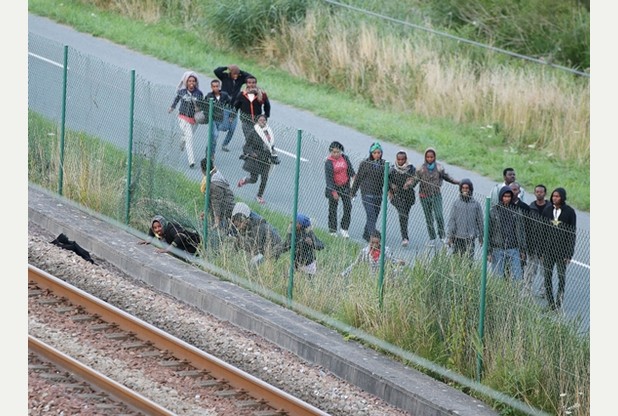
(431, 243)
(241, 182)
(405, 242)
(345, 234)
(182, 146)
(191, 165)
(225, 148)
(333, 233)
(260, 200)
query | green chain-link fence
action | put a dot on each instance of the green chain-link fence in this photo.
(120, 152)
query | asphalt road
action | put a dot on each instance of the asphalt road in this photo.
(112, 63)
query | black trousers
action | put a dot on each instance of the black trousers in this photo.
(548, 265)
(333, 204)
(253, 178)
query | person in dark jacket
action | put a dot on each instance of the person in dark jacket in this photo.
(252, 102)
(401, 192)
(465, 223)
(338, 172)
(507, 238)
(537, 237)
(307, 243)
(172, 233)
(232, 79)
(221, 103)
(524, 210)
(221, 196)
(253, 234)
(259, 154)
(189, 96)
(370, 180)
(559, 245)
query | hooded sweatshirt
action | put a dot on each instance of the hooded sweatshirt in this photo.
(466, 220)
(506, 225)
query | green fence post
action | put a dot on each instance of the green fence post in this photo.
(479, 355)
(208, 169)
(130, 150)
(384, 207)
(294, 214)
(63, 118)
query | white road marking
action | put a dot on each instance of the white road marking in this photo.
(292, 155)
(49, 61)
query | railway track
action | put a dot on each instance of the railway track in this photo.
(207, 375)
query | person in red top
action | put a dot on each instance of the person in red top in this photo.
(252, 102)
(339, 173)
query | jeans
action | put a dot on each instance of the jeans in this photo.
(534, 264)
(503, 257)
(228, 125)
(216, 127)
(372, 205)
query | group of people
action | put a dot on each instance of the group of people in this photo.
(524, 239)
(235, 95)
(343, 183)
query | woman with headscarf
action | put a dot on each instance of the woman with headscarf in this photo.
(401, 192)
(370, 179)
(173, 234)
(191, 100)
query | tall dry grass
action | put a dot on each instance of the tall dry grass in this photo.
(533, 107)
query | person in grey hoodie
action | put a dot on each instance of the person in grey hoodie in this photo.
(465, 223)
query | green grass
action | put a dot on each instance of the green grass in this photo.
(470, 146)
(429, 309)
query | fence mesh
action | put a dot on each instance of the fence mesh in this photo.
(432, 297)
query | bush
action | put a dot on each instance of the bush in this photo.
(248, 22)
(555, 30)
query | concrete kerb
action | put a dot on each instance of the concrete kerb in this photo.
(401, 386)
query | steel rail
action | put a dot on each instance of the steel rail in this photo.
(95, 378)
(274, 397)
